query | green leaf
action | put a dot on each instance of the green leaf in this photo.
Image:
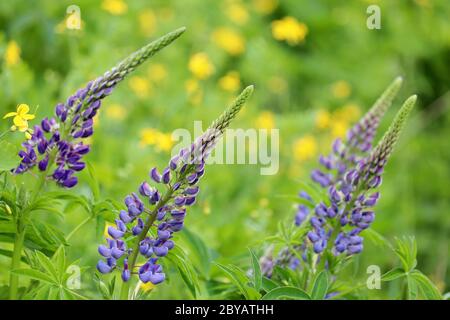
(257, 276)
(429, 290)
(93, 182)
(34, 274)
(47, 264)
(320, 286)
(187, 273)
(268, 284)
(7, 227)
(200, 250)
(59, 260)
(406, 250)
(8, 158)
(286, 292)
(238, 277)
(393, 274)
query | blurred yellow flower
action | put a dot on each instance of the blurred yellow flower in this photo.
(115, 112)
(229, 40)
(277, 85)
(115, 7)
(341, 89)
(423, 3)
(200, 65)
(12, 53)
(206, 208)
(146, 287)
(147, 22)
(351, 112)
(265, 6)
(164, 142)
(157, 72)
(140, 86)
(290, 30)
(191, 85)
(265, 120)
(237, 13)
(71, 22)
(338, 129)
(105, 231)
(230, 82)
(305, 148)
(161, 141)
(148, 136)
(323, 119)
(21, 117)
(194, 91)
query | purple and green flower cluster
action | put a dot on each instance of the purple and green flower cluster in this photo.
(152, 217)
(350, 174)
(57, 143)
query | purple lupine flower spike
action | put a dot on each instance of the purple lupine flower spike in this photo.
(59, 140)
(352, 171)
(165, 212)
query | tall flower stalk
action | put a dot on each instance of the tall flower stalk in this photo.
(146, 231)
(351, 174)
(56, 146)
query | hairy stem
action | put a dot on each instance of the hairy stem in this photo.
(15, 262)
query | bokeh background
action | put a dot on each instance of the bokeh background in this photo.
(316, 68)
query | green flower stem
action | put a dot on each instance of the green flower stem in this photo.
(15, 262)
(21, 230)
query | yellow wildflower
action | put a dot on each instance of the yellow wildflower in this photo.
(115, 112)
(105, 231)
(339, 129)
(229, 40)
(341, 89)
(237, 13)
(265, 6)
(423, 3)
(206, 208)
(290, 30)
(157, 72)
(115, 7)
(164, 142)
(12, 53)
(277, 85)
(351, 111)
(147, 22)
(265, 120)
(21, 117)
(140, 86)
(200, 65)
(323, 119)
(148, 136)
(161, 141)
(230, 82)
(146, 287)
(305, 148)
(191, 85)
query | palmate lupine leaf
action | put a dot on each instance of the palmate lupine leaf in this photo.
(60, 140)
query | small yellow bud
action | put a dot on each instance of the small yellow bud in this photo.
(8, 209)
